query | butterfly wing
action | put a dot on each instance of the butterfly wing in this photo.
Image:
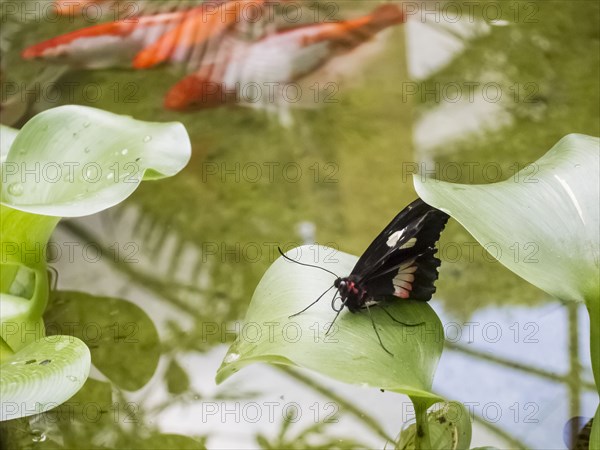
(401, 260)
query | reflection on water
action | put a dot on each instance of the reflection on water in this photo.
(180, 259)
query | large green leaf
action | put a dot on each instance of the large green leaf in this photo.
(351, 352)
(75, 160)
(552, 211)
(42, 375)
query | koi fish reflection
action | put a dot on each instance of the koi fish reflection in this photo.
(208, 39)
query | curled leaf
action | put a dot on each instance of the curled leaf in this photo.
(74, 160)
(42, 375)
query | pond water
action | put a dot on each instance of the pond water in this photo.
(159, 284)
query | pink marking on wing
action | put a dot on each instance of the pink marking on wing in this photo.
(402, 293)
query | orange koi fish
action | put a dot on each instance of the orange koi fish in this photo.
(279, 58)
(107, 44)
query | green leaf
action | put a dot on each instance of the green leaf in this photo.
(74, 160)
(122, 338)
(351, 352)
(549, 211)
(551, 208)
(42, 375)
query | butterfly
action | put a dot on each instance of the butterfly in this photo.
(399, 263)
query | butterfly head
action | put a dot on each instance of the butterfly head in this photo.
(350, 291)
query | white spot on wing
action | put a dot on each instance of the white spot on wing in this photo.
(394, 238)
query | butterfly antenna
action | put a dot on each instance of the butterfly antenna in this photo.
(377, 332)
(304, 264)
(320, 297)
(399, 321)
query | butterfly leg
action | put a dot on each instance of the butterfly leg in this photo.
(377, 332)
(399, 321)
(338, 311)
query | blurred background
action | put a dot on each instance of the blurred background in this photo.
(316, 143)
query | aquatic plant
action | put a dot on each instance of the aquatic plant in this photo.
(559, 212)
(66, 162)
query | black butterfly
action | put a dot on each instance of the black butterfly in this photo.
(400, 262)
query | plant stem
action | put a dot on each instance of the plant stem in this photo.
(422, 438)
